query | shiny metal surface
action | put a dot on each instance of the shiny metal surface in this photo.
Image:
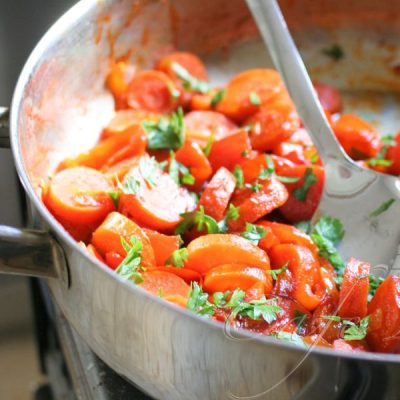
(4, 128)
(351, 193)
(59, 107)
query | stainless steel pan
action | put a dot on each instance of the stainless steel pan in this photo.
(59, 108)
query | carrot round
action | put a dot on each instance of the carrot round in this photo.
(215, 197)
(201, 125)
(157, 204)
(191, 155)
(233, 276)
(271, 195)
(107, 237)
(294, 152)
(358, 138)
(152, 91)
(248, 91)
(113, 259)
(79, 200)
(304, 267)
(187, 274)
(128, 143)
(393, 155)
(272, 125)
(163, 245)
(255, 292)
(212, 250)
(353, 298)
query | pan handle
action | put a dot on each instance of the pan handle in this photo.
(32, 253)
(4, 132)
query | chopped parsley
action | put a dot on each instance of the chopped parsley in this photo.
(382, 208)
(335, 52)
(254, 233)
(267, 309)
(198, 301)
(208, 146)
(254, 99)
(310, 179)
(270, 170)
(304, 226)
(114, 194)
(148, 167)
(238, 174)
(276, 272)
(353, 331)
(131, 185)
(233, 214)
(130, 266)
(167, 133)
(255, 187)
(198, 219)
(179, 172)
(217, 97)
(188, 80)
(289, 337)
(178, 258)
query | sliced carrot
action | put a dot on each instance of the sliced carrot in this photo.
(212, 250)
(128, 143)
(296, 209)
(152, 91)
(304, 266)
(191, 155)
(255, 292)
(269, 240)
(124, 119)
(215, 197)
(358, 138)
(201, 125)
(201, 102)
(248, 91)
(163, 245)
(107, 237)
(113, 259)
(272, 125)
(116, 173)
(116, 82)
(257, 204)
(349, 345)
(290, 234)
(384, 323)
(353, 298)
(229, 151)
(166, 285)
(233, 276)
(393, 155)
(187, 274)
(329, 97)
(294, 152)
(78, 198)
(158, 203)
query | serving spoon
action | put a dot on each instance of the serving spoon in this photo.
(366, 202)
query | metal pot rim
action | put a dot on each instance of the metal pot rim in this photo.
(50, 37)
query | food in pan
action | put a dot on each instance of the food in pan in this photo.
(203, 196)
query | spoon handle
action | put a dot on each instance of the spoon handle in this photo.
(287, 60)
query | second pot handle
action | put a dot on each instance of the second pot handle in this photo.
(32, 253)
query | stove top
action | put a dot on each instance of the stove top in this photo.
(74, 372)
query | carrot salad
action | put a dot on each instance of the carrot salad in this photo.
(203, 196)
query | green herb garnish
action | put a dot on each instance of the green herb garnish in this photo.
(208, 146)
(254, 233)
(217, 97)
(310, 179)
(198, 301)
(131, 185)
(198, 219)
(129, 268)
(179, 172)
(254, 99)
(189, 81)
(148, 167)
(178, 258)
(356, 331)
(335, 52)
(238, 174)
(114, 194)
(276, 272)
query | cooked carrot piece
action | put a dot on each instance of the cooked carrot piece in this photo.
(158, 201)
(215, 197)
(212, 250)
(269, 240)
(201, 125)
(248, 91)
(187, 274)
(304, 266)
(229, 151)
(255, 292)
(116, 173)
(168, 286)
(290, 234)
(201, 102)
(384, 322)
(232, 276)
(294, 152)
(113, 259)
(128, 143)
(358, 138)
(152, 91)
(116, 82)
(329, 97)
(125, 119)
(272, 125)
(349, 345)
(303, 197)
(191, 155)
(78, 198)
(393, 155)
(271, 195)
(163, 245)
(107, 237)
(353, 298)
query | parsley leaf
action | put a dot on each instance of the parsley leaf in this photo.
(114, 194)
(233, 214)
(131, 185)
(275, 272)
(255, 187)
(388, 140)
(310, 179)
(179, 172)
(148, 167)
(198, 301)
(270, 170)
(238, 174)
(254, 99)
(327, 234)
(254, 233)
(208, 146)
(289, 337)
(220, 298)
(334, 318)
(304, 226)
(356, 331)
(266, 309)
(382, 208)
(335, 52)
(178, 258)
(129, 268)
(167, 133)
(217, 97)
(189, 81)
(199, 219)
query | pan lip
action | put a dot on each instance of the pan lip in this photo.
(56, 31)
